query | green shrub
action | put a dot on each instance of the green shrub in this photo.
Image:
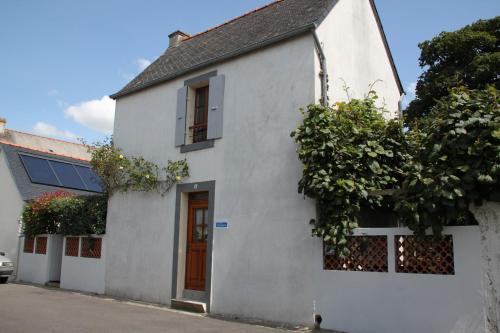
(64, 213)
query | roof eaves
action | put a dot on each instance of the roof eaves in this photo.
(227, 56)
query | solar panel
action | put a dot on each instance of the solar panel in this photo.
(39, 170)
(61, 174)
(90, 178)
(67, 175)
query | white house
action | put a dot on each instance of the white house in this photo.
(235, 236)
(31, 165)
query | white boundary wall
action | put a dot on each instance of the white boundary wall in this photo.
(365, 302)
(41, 268)
(84, 274)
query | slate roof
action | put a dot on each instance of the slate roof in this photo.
(264, 26)
(27, 189)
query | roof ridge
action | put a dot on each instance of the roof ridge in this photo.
(234, 19)
(42, 151)
(45, 137)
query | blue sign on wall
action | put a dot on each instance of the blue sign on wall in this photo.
(221, 224)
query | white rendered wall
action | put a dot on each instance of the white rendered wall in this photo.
(372, 302)
(11, 205)
(355, 53)
(84, 274)
(261, 264)
(41, 268)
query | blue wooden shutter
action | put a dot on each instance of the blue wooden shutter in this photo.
(215, 107)
(180, 117)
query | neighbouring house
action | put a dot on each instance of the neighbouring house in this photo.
(31, 165)
(235, 236)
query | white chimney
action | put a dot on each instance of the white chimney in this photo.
(3, 121)
(176, 37)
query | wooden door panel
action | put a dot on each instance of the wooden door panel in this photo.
(196, 244)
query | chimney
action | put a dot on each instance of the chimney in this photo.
(175, 38)
(3, 121)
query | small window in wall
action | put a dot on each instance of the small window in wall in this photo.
(429, 255)
(366, 254)
(91, 247)
(41, 245)
(29, 244)
(72, 244)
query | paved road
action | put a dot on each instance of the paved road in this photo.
(30, 309)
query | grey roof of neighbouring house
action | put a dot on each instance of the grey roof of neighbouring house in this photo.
(264, 26)
(27, 189)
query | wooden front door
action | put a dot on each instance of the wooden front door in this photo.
(197, 234)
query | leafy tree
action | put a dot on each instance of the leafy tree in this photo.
(467, 57)
(456, 160)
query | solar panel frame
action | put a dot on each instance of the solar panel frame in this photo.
(68, 181)
(87, 181)
(26, 160)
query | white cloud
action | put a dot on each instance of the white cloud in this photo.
(49, 130)
(96, 114)
(143, 63)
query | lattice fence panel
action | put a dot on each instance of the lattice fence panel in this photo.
(29, 244)
(91, 247)
(429, 255)
(366, 254)
(72, 244)
(41, 245)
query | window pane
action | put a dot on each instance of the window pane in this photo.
(198, 217)
(198, 230)
(201, 106)
(39, 170)
(67, 175)
(90, 178)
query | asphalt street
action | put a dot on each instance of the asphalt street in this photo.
(32, 309)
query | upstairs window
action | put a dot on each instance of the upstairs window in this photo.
(199, 112)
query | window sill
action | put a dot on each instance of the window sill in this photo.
(197, 146)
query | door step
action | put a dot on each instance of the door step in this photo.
(53, 284)
(188, 305)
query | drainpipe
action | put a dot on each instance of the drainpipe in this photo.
(324, 72)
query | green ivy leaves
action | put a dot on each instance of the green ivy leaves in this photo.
(347, 152)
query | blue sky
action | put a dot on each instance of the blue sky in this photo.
(59, 59)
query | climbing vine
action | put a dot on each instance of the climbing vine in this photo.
(350, 154)
(119, 173)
